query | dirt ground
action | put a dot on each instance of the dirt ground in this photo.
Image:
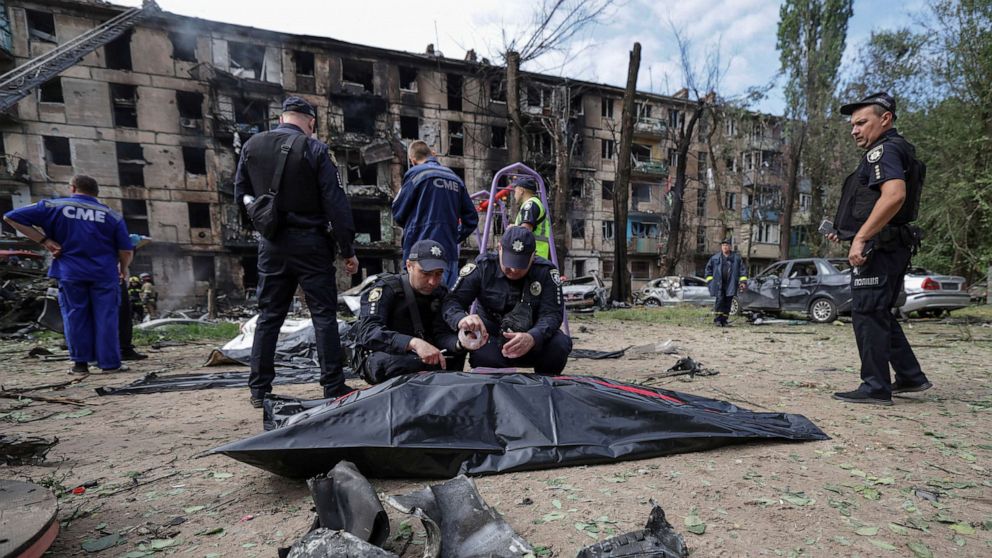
(907, 480)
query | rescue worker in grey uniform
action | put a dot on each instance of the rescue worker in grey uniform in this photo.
(400, 329)
(519, 310)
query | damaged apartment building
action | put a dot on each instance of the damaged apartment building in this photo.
(157, 116)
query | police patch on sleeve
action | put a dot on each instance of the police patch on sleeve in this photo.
(556, 277)
(375, 294)
(466, 270)
(535, 288)
(875, 154)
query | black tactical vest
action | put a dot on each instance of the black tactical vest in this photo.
(298, 191)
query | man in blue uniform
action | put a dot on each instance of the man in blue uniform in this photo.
(724, 275)
(313, 213)
(434, 204)
(519, 311)
(400, 329)
(91, 251)
(877, 206)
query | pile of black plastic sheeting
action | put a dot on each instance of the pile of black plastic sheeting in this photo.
(153, 383)
(439, 425)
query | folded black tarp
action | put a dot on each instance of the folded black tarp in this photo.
(441, 424)
(153, 383)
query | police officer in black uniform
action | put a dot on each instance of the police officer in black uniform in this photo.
(519, 311)
(400, 329)
(877, 206)
(314, 213)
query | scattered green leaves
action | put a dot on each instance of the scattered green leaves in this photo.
(919, 549)
(694, 524)
(103, 543)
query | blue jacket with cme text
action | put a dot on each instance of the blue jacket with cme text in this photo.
(430, 204)
(91, 235)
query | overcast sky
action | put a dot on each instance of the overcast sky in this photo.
(744, 31)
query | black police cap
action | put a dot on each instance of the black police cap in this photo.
(518, 245)
(430, 255)
(525, 182)
(297, 104)
(881, 99)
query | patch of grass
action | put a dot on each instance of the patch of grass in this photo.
(674, 315)
(978, 312)
(221, 331)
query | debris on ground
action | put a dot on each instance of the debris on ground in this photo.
(501, 422)
(346, 501)
(658, 539)
(25, 450)
(296, 345)
(154, 383)
(685, 366)
(651, 349)
(596, 355)
(162, 322)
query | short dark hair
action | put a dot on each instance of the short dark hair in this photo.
(419, 150)
(85, 185)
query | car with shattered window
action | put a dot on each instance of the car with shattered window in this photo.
(588, 291)
(932, 295)
(675, 290)
(817, 287)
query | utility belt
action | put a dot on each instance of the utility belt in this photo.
(905, 235)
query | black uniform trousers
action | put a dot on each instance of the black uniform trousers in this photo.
(549, 360)
(881, 341)
(379, 367)
(296, 257)
(721, 306)
(125, 321)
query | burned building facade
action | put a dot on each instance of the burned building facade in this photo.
(158, 115)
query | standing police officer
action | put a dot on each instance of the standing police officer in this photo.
(91, 251)
(878, 203)
(400, 329)
(520, 307)
(532, 214)
(434, 204)
(301, 253)
(724, 276)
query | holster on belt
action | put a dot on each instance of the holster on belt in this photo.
(519, 319)
(894, 236)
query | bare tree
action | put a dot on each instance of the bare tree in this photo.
(621, 187)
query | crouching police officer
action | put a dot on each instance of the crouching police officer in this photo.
(399, 328)
(878, 203)
(520, 307)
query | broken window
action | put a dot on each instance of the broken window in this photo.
(539, 143)
(640, 269)
(41, 26)
(130, 164)
(408, 79)
(534, 96)
(701, 165)
(247, 60)
(459, 172)
(580, 268)
(251, 116)
(135, 217)
(190, 107)
(199, 215)
(730, 201)
(368, 222)
(6, 204)
(608, 148)
(640, 192)
(454, 89)
(124, 99)
(51, 91)
(701, 203)
(576, 187)
(118, 52)
(675, 119)
(498, 139)
(183, 46)
(195, 160)
(57, 151)
(606, 110)
(358, 72)
(357, 172)
(643, 110)
(305, 80)
(497, 90)
(640, 152)
(608, 233)
(203, 268)
(456, 139)
(409, 127)
(359, 114)
(607, 190)
(673, 157)
(578, 228)
(578, 108)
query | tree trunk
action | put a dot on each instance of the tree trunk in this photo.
(673, 250)
(621, 291)
(795, 148)
(559, 212)
(515, 148)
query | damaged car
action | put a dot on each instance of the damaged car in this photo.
(675, 290)
(817, 287)
(588, 291)
(932, 295)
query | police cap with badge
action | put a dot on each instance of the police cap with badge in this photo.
(298, 104)
(524, 181)
(881, 99)
(429, 254)
(519, 246)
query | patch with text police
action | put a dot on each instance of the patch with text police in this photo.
(867, 281)
(556, 277)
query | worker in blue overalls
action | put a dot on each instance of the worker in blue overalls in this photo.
(92, 251)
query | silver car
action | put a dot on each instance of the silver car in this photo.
(675, 290)
(930, 294)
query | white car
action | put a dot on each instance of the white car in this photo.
(930, 294)
(585, 292)
(675, 290)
